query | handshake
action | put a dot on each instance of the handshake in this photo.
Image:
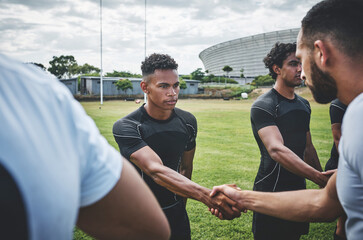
(226, 202)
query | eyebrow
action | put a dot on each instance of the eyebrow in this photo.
(294, 61)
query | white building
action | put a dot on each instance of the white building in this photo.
(247, 53)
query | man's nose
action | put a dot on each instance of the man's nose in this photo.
(302, 75)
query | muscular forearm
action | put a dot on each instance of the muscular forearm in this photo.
(311, 158)
(294, 164)
(178, 183)
(300, 206)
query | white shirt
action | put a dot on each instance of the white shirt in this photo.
(350, 168)
(52, 149)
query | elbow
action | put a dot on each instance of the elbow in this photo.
(274, 152)
(154, 171)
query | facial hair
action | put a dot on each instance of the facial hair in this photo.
(323, 86)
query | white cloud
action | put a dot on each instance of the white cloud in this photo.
(37, 30)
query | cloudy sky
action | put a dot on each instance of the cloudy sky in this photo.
(37, 30)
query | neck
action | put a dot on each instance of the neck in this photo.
(157, 113)
(286, 91)
(349, 80)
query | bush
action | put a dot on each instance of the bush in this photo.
(212, 78)
(261, 80)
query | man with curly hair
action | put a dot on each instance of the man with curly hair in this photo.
(280, 123)
(159, 139)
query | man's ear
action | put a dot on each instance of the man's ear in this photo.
(276, 69)
(143, 86)
(321, 53)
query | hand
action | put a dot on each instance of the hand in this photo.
(224, 207)
(320, 179)
(329, 173)
(225, 190)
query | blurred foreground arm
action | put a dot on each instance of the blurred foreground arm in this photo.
(302, 206)
(128, 211)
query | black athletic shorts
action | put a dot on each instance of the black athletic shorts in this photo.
(178, 221)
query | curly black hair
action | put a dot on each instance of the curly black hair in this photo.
(277, 55)
(339, 20)
(157, 61)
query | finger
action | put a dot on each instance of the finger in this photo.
(215, 190)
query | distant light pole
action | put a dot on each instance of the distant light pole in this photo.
(145, 99)
(101, 71)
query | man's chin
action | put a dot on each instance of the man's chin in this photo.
(322, 97)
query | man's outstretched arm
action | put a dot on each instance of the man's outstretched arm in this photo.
(150, 163)
(320, 205)
(128, 211)
(274, 143)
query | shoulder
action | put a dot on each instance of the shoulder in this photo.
(354, 114)
(266, 102)
(337, 104)
(186, 116)
(303, 101)
(352, 132)
(130, 121)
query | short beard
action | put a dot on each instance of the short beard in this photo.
(323, 87)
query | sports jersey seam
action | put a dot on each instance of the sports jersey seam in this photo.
(267, 174)
(304, 103)
(277, 179)
(191, 127)
(338, 107)
(170, 206)
(138, 129)
(123, 136)
(263, 110)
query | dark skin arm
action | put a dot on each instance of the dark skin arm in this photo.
(274, 143)
(150, 163)
(310, 154)
(186, 166)
(337, 133)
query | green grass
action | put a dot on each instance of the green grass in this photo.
(226, 153)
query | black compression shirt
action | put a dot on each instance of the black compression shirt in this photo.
(167, 138)
(292, 117)
(336, 111)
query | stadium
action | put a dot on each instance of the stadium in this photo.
(246, 53)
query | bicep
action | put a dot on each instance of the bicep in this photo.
(271, 137)
(336, 131)
(146, 159)
(124, 213)
(187, 158)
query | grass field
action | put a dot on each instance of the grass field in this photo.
(226, 153)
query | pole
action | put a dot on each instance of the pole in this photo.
(145, 99)
(101, 71)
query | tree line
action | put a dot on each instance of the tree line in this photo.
(66, 66)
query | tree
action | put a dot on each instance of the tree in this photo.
(182, 84)
(124, 84)
(265, 80)
(86, 69)
(198, 74)
(62, 66)
(227, 69)
(122, 74)
(242, 70)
